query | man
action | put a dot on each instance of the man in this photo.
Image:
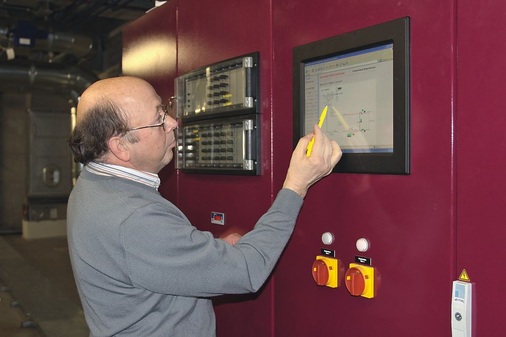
(141, 268)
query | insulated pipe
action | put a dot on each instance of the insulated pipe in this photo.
(68, 82)
(57, 42)
(67, 43)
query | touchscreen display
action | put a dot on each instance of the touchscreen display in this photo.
(357, 87)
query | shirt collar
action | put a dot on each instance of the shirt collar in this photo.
(146, 178)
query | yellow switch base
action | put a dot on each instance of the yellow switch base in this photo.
(368, 273)
(332, 266)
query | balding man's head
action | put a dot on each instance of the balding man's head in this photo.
(104, 111)
(115, 91)
(122, 121)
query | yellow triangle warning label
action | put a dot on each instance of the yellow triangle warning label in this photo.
(464, 276)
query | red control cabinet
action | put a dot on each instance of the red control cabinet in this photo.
(423, 228)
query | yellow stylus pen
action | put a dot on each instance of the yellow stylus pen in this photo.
(320, 123)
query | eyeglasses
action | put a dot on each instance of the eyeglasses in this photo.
(162, 123)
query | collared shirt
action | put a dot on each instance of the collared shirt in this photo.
(146, 178)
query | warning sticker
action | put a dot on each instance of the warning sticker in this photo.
(464, 276)
(218, 218)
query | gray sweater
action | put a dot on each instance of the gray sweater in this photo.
(142, 269)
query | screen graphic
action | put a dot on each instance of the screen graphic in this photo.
(358, 89)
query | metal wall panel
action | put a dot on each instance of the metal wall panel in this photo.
(49, 155)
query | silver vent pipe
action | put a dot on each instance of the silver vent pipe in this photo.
(68, 43)
(66, 81)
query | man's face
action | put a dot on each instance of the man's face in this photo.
(154, 150)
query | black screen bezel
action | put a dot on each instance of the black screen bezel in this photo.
(396, 32)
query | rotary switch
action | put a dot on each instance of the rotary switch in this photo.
(355, 281)
(325, 271)
(359, 280)
(320, 272)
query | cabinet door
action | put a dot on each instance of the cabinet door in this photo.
(211, 32)
(481, 187)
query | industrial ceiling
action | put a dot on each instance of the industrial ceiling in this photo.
(82, 37)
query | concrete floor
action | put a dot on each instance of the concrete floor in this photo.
(38, 296)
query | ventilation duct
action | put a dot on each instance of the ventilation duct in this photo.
(26, 40)
(57, 44)
(66, 81)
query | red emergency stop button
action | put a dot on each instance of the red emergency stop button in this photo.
(355, 281)
(320, 272)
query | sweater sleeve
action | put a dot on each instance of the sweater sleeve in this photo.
(166, 254)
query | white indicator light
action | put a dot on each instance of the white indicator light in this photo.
(327, 238)
(362, 245)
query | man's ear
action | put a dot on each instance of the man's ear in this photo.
(119, 148)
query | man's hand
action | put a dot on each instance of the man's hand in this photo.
(304, 171)
(231, 238)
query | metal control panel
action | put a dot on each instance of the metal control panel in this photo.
(219, 145)
(219, 115)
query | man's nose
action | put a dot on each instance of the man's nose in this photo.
(170, 124)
